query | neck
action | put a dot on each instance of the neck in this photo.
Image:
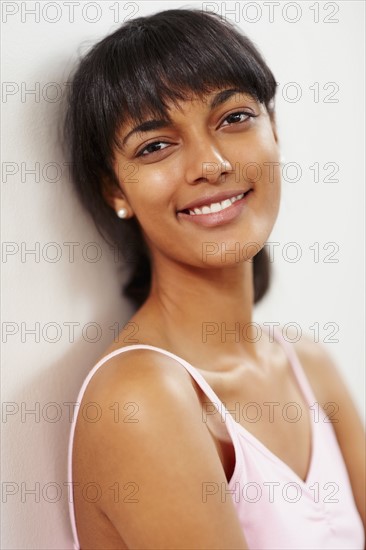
(205, 313)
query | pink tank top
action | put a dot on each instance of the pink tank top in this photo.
(275, 507)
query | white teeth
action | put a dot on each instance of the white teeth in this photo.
(216, 206)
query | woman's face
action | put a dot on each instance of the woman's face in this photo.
(216, 149)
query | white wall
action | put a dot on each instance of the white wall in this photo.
(38, 211)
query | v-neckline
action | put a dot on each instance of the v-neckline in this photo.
(265, 450)
(261, 446)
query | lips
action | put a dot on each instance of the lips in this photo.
(208, 200)
(227, 215)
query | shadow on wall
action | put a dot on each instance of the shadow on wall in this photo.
(65, 312)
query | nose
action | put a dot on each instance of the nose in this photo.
(205, 162)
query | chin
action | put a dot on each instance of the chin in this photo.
(229, 252)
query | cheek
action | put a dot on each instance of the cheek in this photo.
(257, 162)
(151, 201)
(151, 192)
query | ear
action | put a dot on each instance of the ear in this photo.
(115, 198)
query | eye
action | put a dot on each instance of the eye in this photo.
(239, 114)
(150, 145)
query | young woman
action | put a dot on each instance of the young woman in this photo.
(201, 429)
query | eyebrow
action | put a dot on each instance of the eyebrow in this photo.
(149, 125)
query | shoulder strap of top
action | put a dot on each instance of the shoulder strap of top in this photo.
(219, 406)
(192, 370)
(297, 368)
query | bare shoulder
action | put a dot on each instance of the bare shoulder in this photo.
(327, 381)
(138, 370)
(321, 369)
(126, 390)
(152, 446)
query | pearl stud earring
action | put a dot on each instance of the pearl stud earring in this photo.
(122, 212)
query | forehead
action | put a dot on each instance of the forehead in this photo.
(193, 100)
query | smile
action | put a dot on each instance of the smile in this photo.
(217, 213)
(215, 206)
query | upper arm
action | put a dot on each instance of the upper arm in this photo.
(329, 387)
(169, 483)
